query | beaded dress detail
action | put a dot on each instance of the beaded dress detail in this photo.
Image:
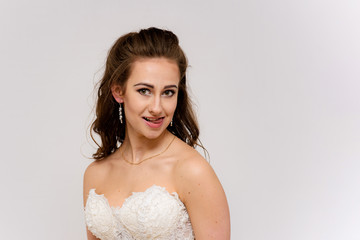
(152, 214)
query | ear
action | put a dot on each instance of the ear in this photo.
(117, 93)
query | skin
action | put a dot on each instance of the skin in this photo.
(151, 92)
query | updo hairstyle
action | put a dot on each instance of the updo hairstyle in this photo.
(147, 43)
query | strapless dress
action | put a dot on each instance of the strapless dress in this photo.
(152, 214)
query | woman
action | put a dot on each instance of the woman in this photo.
(148, 181)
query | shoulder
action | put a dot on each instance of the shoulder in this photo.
(96, 170)
(195, 175)
(201, 192)
(93, 175)
(193, 166)
(192, 171)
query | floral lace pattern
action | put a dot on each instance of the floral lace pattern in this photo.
(153, 214)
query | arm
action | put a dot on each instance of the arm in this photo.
(204, 199)
(90, 236)
(88, 184)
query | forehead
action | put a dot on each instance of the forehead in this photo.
(155, 71)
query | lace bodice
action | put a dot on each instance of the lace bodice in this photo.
(153, 214)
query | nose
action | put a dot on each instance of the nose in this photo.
(155, 107)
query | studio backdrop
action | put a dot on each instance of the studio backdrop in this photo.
(276, 89)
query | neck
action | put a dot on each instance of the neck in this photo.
(137, 148)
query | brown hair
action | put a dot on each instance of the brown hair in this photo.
(147, 43)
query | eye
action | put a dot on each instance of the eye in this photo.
(144, 91)
(169, 93)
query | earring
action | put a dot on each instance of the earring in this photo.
(171, 123)
(120, 114)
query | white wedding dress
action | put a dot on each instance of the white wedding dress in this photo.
(153, 214)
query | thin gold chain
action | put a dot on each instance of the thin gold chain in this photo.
(148, 158)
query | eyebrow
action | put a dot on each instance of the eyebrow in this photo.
(151, 86)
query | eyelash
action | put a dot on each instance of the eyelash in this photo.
(145, 92)
(172, 92)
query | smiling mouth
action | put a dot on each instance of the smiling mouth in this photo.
(153, 120)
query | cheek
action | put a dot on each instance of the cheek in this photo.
(171, 106)
(133, 106)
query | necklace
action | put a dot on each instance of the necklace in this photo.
(148, 158)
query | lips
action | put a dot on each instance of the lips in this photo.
(154, 122)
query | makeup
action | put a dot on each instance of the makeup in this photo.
(154, 122)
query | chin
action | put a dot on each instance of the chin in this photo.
(154, 133)
(148, 132)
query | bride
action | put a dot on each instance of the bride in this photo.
(147, 180)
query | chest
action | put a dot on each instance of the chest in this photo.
(119, 183)
(152, 214)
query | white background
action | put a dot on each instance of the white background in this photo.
(276, 84)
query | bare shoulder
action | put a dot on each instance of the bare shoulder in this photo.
(191, 165)
(96, 170)
(193, 172)
(201, 191)
(93, 175)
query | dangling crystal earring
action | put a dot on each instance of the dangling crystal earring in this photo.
(171, 123)
(120, 114)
